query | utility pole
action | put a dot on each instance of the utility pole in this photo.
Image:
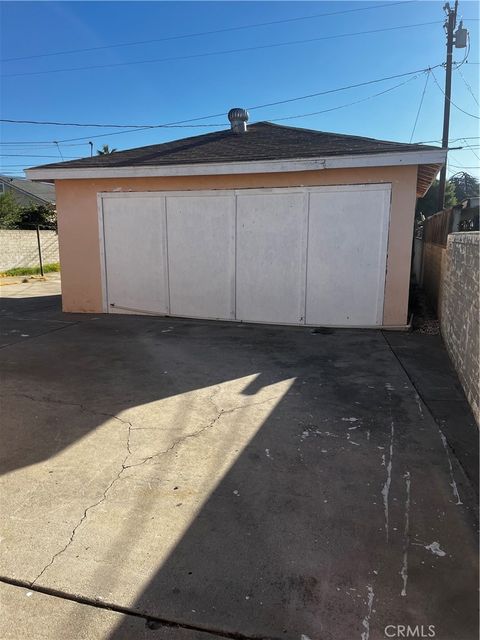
(459, 38)
(449, 27)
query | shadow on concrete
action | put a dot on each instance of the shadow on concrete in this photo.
(430, 369)
(292, 540)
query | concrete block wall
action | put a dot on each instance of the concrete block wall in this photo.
(18, 248)
(459, 319)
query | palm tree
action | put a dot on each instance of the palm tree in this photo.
(105, 150)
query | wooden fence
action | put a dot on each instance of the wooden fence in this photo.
(437, 227)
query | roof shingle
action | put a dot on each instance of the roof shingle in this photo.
(262, 141)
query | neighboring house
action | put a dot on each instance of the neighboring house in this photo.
(27, 192)
(263, 223)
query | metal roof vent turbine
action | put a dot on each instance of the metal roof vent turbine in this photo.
(238, 120)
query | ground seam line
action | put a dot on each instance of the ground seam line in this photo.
(430, 412)
(39, 335)
(107, 606)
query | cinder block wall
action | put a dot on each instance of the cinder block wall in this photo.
(18, 248)
(459, 319)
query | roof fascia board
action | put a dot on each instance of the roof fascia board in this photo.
(228, 168)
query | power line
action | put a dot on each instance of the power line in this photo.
(216, 53)
(467, 84)
(471, 149)
(420, 105)
(271, 120)
(39, 143)
(453, 103)
(59, 151)
(457, 166)
(47, 145)
(206, 33)
(450, 140)
(252, 108)
(31, 155)
(103, 126)
(351, 86)
(342, 106)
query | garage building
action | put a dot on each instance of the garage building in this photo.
(258, 223)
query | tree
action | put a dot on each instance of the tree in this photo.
(428, 205)
(465, 186)
(9, 210)
(14, 216)
(33, 215)
(105, 150)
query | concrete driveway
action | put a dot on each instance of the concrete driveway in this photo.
(175, 479)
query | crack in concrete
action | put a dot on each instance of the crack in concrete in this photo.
(83, 407)
(128, 424)
(124, 465)
(82, 519)
(199, 432)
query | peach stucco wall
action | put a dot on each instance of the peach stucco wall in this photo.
(79, 238)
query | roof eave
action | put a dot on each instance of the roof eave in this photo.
(397, 158)
(425, 177)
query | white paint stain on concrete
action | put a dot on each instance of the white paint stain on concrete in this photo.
(419, 403)
(366, 620)
(453, 484)
(434, 547)
(389, 386)
(267, 453)
(404, 570)
(388, 480)
(350, 419)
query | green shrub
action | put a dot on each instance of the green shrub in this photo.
(32, 271)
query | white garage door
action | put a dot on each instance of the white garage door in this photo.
(201, 256)
(313, 256)
(271, 249)
(135, 255)
(347, 250)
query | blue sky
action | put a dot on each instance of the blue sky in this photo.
(174, 90)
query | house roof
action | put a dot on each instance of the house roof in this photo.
(263, 148)
(262, 141)
(44, 192)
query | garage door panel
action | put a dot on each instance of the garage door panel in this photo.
(201, 256)
(135, 255)
(271, 243)
(347, 241)
(286, 256)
